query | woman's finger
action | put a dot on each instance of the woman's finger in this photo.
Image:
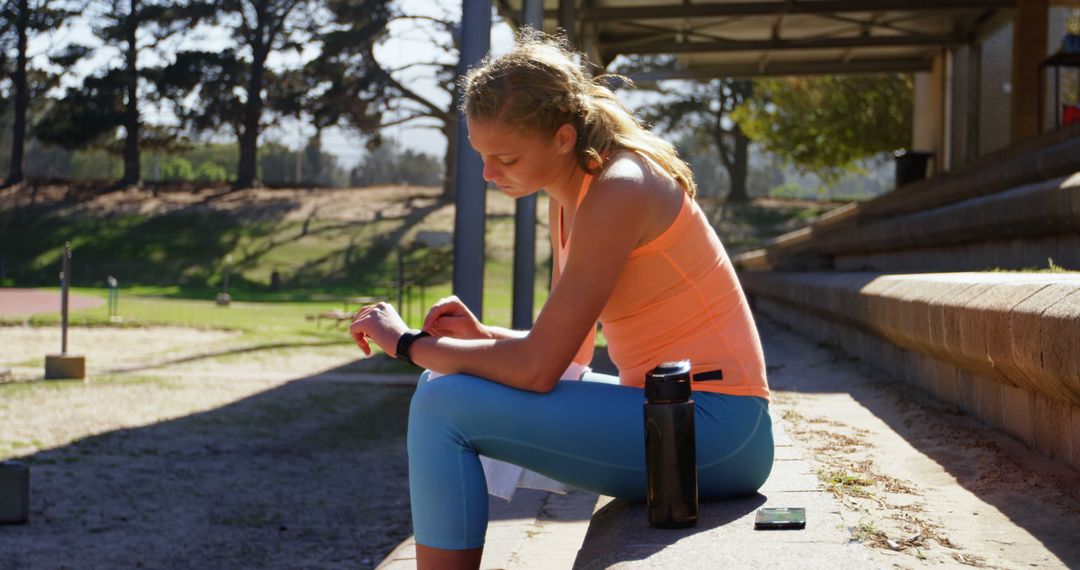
(361, 340)
(363, 311)
(437, 312)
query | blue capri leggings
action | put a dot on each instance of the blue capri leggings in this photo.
(586, 434)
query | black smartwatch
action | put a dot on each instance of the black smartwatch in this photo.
(404, 344)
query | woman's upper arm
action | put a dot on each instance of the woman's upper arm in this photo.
(606, 230)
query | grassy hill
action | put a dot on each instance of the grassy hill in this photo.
(326, 245)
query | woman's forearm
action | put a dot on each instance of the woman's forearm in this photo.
(510, 361)
(496, 333)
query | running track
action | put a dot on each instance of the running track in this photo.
(26, 302)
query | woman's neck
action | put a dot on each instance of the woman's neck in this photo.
(567, 187)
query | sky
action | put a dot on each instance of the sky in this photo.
(405, 45)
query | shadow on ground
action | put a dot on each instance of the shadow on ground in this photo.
(609, 526)
(310, 474)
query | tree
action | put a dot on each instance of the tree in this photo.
(704, 108)
(18, 19)
(388, 163)
(228, 86)
(121, 22)
(406, 105)
(84, 116)
(824, 124)
(702, 111)
(108, 100)
(342, 87)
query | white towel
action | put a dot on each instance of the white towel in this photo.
(503, 478)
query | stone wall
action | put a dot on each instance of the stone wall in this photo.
(1002, 347)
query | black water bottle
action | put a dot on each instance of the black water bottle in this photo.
(670, 460)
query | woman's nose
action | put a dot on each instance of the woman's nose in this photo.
(489, 171)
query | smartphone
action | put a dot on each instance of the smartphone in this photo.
(780, 518)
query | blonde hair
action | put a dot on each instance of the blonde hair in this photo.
(539, 86)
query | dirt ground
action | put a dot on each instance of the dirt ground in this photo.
(190, 459)
(210, 456)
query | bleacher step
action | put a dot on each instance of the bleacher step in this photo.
(620, 537)
(535, 530)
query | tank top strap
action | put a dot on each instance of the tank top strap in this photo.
(586, 183)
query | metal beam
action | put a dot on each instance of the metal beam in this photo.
(787, 68)
(662, 47)
(469, 186)
(675, 11)
(525, 220)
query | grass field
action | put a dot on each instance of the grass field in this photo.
(171, 253)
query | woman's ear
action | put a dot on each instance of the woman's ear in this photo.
(565, 138)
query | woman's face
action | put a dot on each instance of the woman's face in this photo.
(521, 162)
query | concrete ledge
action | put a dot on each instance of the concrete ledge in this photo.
(1042, 208)
(1016, 228)
(1002, 347)
(1049, 156)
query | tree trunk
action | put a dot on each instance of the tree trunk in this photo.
(737, 172)
(450, 126)
(450, 160)
(132, 168)
(22, 97)
(247, 169)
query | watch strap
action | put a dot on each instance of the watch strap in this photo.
(404, 344)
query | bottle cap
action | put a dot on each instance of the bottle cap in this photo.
(668, 383)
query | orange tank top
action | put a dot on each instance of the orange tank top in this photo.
(678, 297)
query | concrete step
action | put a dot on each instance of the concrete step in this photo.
(999, 346)
(536, 530)
(620, 536)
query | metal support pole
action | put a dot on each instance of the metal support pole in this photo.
(1028, 51)
(525, 220)
(65, 274)
(64, 365)
(567, 19)
(974, 96)
(400, 279)
(532, 14)
(469, 184)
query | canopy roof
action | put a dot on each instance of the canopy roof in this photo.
(741, 38)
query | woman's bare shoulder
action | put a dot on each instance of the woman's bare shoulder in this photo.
(630, 175)
(637, 193)
(624, 168)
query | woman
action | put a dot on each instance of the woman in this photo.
(633, 251)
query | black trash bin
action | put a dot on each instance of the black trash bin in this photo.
(910, 166)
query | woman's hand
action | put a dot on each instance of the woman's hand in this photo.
(450, 317)
(379, 323)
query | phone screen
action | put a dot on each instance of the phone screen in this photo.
(780, 518)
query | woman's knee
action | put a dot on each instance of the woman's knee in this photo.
(439, 395)
(438, 405)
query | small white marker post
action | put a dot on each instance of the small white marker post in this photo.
(64, 365)
(223, 298)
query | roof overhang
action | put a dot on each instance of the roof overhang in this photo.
(743, 38)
